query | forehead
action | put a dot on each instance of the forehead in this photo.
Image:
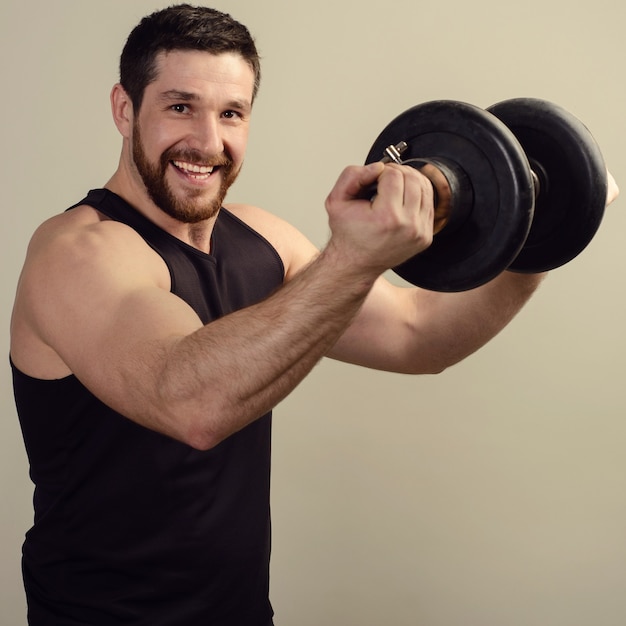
(201, 72)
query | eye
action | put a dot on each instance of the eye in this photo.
(231, 115)
(179, 108)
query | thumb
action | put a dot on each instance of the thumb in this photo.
(370, 173)
(367, 178)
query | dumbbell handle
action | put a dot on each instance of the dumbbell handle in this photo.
(453, 194)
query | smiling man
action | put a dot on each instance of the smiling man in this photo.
(155, 328)
(188, 165)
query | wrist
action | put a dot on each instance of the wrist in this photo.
(348, 270)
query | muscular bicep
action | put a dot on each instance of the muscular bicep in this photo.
(126, 351)
(384, 328)
(99, 303)
(412, 330)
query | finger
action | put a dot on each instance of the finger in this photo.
(356, 182)
(390, 187)
(410, 190)
(418, 189)
(370, 173)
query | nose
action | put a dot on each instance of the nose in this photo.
(206, 135)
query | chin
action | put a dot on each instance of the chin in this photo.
(190, 211)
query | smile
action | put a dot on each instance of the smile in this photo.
(199, 172)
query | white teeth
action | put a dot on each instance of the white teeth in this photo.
(194, 169)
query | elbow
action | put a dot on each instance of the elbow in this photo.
(201, 441)
(204, 431)
(190, 425)
(194, 420)
(199, 435)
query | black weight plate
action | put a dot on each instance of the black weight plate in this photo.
(572, 181)
(491, 236)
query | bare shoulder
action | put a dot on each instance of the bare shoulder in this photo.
(85, 239)
(294, 248)
(75, 259)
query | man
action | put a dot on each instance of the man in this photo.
(154, 330)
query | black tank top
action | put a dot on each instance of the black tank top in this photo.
(130, 526)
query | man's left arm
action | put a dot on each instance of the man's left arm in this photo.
(415, 331)
(409, 329)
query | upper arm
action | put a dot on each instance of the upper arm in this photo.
(97, 298)
(384, 332)
(413, 330)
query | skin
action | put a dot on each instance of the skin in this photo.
(145, 353)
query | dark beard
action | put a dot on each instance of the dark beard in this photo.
(185, 210)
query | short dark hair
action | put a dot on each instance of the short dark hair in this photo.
(182, 27)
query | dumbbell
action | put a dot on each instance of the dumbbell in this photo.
(519, 186)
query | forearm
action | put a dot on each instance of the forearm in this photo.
(235, 369)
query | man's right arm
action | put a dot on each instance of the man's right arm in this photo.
(97, 299)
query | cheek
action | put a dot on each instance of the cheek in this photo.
(158, 144)
(157, 138)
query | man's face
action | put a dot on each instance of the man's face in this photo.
(190, 135)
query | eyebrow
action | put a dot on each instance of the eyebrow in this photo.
(175, 95)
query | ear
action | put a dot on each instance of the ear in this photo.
(122, 110)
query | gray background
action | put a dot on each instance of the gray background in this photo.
(492, 494)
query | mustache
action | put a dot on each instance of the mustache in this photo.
(197, 157)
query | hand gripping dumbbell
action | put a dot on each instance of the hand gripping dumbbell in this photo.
(519, 186)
